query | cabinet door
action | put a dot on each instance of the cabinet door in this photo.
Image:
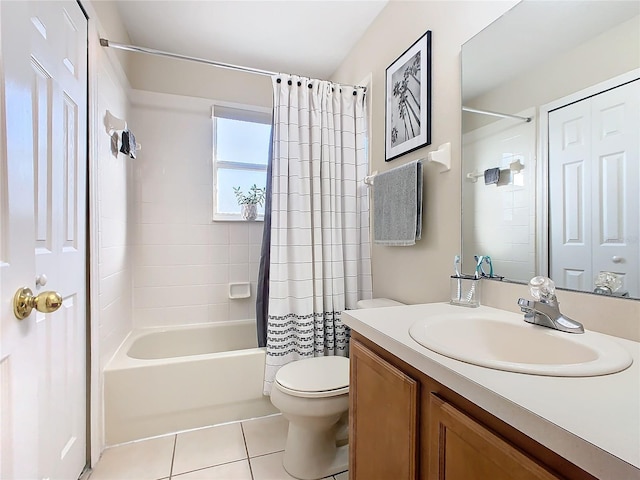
(383, 419)
(462, 449)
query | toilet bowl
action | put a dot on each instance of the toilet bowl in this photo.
(313, 394)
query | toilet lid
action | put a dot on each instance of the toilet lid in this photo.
(318, 376)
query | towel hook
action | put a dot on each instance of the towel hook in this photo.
(113, 123)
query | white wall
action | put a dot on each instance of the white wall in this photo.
(564, 74)
(157, 263)
(115, 176)
(111, 194)
(181, 77)
(183, 261)
(420, 273)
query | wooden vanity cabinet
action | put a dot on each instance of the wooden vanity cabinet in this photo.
(406, 426)
(383, 409)
(462, 449)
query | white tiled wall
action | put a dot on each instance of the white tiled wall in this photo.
(114, 272)
(115, 191)
(504, 220)
(183, 260)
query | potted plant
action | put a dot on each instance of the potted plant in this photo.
(249, 202)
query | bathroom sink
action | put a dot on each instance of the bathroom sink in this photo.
(517, 346)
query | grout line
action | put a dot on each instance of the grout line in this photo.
(173, 456)
(268, 453)
(208, 467)
(244, 440)
(246, 449)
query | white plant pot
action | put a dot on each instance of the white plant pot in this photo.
(249, 211)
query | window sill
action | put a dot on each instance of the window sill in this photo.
(234, 218)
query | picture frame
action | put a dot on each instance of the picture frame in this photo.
(408, 100)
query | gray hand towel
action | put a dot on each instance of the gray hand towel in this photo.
(397, 205)
(128, 144)
(491, 176)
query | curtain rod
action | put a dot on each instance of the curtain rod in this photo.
(132, 48)
(496, 114)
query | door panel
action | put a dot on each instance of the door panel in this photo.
(41, 104)
(594, 207)
(63, 369)
(612, 187)
(19, 371)
(43, 357)
(573, 226)
(616, 123)
(569, 190)
(70, 175)
(4, 216)
(574, 279)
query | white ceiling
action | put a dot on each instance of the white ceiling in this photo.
(305, 37)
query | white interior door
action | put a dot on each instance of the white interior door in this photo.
(569, 196)
(616, 209)
(593, 189)
(43, 218)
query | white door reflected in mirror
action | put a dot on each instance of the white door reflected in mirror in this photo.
(593, 177)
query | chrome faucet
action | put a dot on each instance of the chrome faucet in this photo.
(545, 309)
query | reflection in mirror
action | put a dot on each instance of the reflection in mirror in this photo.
(550, 123)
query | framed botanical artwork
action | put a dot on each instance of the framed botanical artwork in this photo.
(408, 100)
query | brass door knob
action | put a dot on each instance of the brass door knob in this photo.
(45, 302)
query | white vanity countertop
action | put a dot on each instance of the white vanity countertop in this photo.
(594, 422)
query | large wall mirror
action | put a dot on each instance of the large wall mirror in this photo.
(550, 147)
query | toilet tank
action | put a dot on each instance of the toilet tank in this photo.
(377, 302)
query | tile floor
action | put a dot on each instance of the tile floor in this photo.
(248, 450)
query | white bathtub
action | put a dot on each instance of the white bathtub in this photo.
(164, 380)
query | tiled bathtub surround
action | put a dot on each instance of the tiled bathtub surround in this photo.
(183, 260)
(501, 217)
(111, 276)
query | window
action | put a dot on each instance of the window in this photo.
(241, 138)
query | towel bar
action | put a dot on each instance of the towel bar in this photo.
(442, 156)
(113, 123)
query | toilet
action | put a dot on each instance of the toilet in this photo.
(313, 394)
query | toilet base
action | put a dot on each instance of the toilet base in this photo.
(339, 464)
(316, 447)
(317, 440)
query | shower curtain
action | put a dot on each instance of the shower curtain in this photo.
(319, 262)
